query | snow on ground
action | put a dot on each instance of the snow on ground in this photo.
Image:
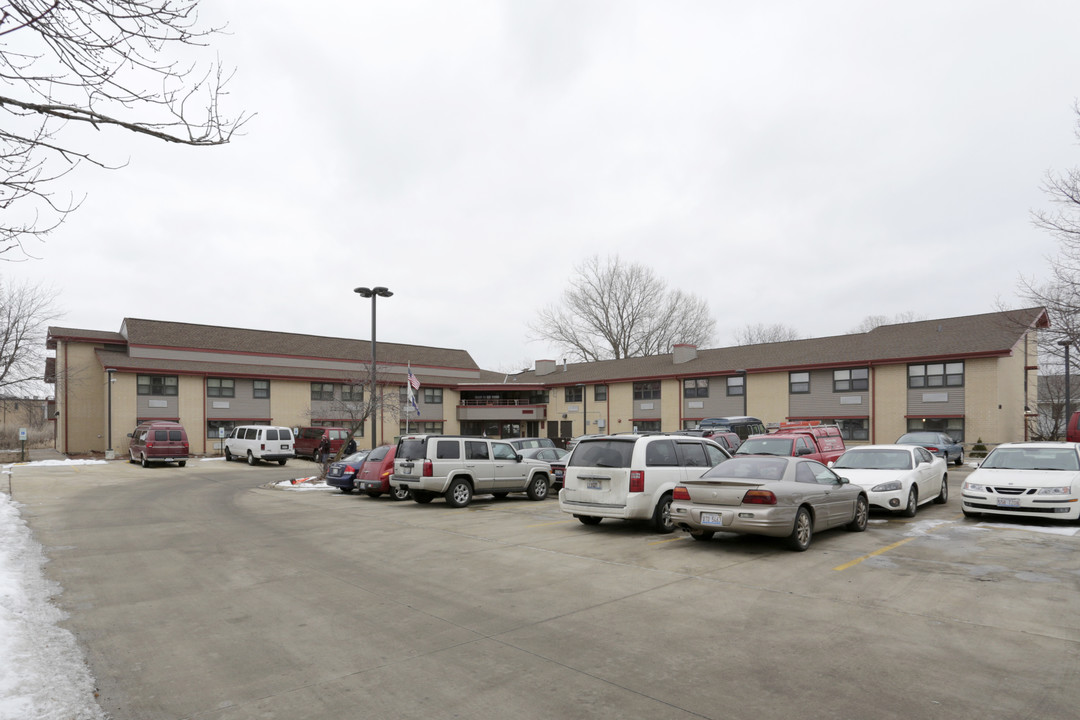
(43, 675)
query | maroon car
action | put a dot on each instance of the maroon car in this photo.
(374, 475)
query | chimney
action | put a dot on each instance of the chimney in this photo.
(545, 367)
(685, 353)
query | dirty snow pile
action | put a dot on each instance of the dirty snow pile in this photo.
(42, 672)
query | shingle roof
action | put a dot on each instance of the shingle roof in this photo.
(988, 334)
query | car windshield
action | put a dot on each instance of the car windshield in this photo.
(1032, 459)
(603, 453)
(378, 453)
(874, 460)
(751, 468)
(355, 457)
(766, 446)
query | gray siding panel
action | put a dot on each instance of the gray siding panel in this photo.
(822, 402)
(935, 402)
(244, 406)
(169, 410)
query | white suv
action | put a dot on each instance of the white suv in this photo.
(458, 467)
(631, 477)
(259, 442)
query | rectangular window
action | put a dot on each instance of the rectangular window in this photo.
(322, 391)
(422, 428)
(647, 426)
(696, 388)
(433, 396)
(220, 387)
(649, 390)
(799, 383)
(212, 427)
(936, 375)
(352, 393)
(574, 394)
(736, 385)
(260, 389)
(854, 380)
(600, 393)
(157, 384)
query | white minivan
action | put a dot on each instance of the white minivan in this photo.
(631, 477)
(259, 442)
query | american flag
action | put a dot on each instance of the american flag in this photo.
(413, 381)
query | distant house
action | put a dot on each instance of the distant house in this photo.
(974, 377)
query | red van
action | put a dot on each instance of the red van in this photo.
(158, 441)
(374, 475)
(308, 439)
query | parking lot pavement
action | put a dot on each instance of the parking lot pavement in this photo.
(205, 592)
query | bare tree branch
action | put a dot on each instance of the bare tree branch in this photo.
(103, 64)
(25, 313)
(614, 310)
(757, 333)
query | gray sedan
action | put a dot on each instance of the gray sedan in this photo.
(937, 443)
(789, 497)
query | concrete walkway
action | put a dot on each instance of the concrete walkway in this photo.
(45, 454)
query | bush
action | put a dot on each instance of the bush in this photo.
(978, 450)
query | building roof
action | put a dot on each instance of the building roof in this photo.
(986, 335)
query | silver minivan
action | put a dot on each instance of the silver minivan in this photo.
(259, 442)
(630, 477)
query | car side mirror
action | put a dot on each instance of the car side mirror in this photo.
(517, 457)
(844, 481)
(130, 435)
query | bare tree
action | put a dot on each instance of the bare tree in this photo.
(870, 322)
(1049, 423)
(614, 310)
(25, 313)
(757, 333)
(356, 403)
(95, 64)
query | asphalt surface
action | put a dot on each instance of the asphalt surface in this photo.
(203, 592)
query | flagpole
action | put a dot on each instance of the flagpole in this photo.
(408, 392)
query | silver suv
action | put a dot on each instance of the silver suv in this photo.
(459, 467)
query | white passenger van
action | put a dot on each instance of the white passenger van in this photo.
(259, 442)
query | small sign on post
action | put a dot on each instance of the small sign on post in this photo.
(22, 439)
(221, 436)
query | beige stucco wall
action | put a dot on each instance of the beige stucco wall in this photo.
(124, 417)
(671, 405)
(888, 403)
(80, 426)
(621, 407)
(767, 396)
(290, 403)
(191, 403)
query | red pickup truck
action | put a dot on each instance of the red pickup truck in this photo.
(817, 442)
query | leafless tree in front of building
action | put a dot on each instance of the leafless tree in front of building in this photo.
(69, 68)
(613, 309)
(870, 322)
(25, 313)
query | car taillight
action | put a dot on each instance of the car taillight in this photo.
(149, 444)
(637, 481)
(680, 493)
(759, 497)
(428, 470)
(349, 469)
(932, 449)
(262, 446)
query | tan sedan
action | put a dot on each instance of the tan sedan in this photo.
(787, 497)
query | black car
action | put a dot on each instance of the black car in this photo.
(342, 474)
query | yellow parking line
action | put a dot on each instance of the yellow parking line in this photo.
(880, 551)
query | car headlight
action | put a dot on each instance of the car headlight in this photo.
(887, 486)
(974, 487)
(1064, 490)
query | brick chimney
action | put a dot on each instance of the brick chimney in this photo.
(544, 367)
(684, 353)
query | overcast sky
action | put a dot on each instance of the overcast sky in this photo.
(799, 163)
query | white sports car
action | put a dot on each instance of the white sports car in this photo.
(898, 478)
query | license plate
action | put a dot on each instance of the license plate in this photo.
(284, 447)
(335, 472)
(1008, 502)
(712, 519)
(558, 473)
(592, 484)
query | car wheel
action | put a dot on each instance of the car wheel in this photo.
(701, 534)
(588, 519)
(399, 492)
(802, 532)
(280, 462)
(422, 496)
(346, 490)
(251, 459)
(374, 494)
(943, 494)
(145, 464)
(661, 518)
(912, 506)
(131, 457)
(960, 458)
(538, 488)
(228, 455)
(182, 463)
(862, 515)
(459, 493)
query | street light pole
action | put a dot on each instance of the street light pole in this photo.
(1068, 392)
(109, 374)
(373, 293)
